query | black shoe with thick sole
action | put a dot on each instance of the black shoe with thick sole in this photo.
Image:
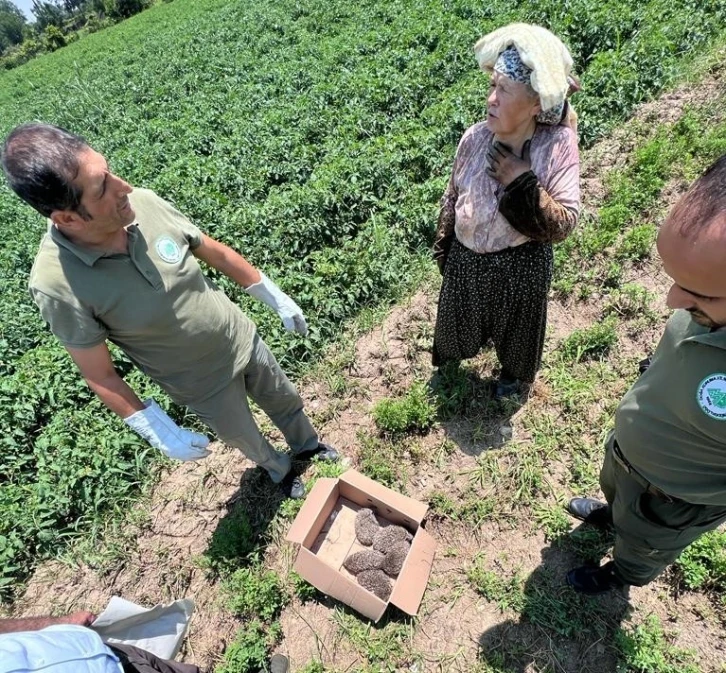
(279, 663)
(323, 452)
(292, 486)
(591, 511)
(594, 580)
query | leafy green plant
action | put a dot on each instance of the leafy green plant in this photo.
(637, 242)
(379, 460)
(645, 648)
(303, 589)
(313, 667)
(233, 541)
(384, 646)
(412, 412)
(250, 650)
(253, 592)
(630, 301)
(703, 563)
(552, 521)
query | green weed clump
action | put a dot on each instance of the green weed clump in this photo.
(630, 301)
(508, 594)
(414, 412)
(303, 589)
(646, 649)
(590, 342)
(313, 667)
(552, 521)
(380, 460)
(472, 509)
(250, 651)
(385, 646)
(703, 564)
(253, 592)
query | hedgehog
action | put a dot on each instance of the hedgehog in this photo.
(389, 535)
(366, 526)
(377, 582)
(394, 558)
(364, 560)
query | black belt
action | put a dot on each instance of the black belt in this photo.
(649, 488)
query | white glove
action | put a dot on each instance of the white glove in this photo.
(162, 433)
(291, 314)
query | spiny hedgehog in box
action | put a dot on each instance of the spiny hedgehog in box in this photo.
(388, 536)
(364, 560)
(394, 558)
(366, 526)
(377, 582)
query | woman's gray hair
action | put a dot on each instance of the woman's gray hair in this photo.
(41, 162)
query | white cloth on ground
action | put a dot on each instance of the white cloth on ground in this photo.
(159, 630)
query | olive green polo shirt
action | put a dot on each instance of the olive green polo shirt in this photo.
(154, 302)
(671, 425)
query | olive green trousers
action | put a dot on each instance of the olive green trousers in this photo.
(228, 413)
(651, 528)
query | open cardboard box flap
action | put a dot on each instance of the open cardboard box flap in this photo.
(313, 504)
(412, 508)
(416, 569)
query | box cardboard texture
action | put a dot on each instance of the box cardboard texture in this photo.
(324, 529)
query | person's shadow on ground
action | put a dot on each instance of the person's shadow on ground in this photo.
(467, 410)
(559, 629)
(250, 510)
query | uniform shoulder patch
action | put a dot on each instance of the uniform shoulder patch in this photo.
(711, 396)
(168, 249)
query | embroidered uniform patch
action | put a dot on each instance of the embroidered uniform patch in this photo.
(168, 249)
(711, 396)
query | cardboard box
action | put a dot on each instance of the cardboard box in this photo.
(324, 529)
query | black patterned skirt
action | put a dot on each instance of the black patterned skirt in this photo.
(499, 297)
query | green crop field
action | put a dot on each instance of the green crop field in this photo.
(315, 138)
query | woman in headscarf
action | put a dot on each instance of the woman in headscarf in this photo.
(513, 192)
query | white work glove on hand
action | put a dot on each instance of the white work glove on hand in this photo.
(162, 433)
(291, 314)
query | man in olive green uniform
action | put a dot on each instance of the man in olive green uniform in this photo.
(121, 264)
(664, 476)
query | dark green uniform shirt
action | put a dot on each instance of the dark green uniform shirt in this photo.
(671, 425)
(154, 302)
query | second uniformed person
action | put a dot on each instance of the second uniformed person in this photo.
(664, 475)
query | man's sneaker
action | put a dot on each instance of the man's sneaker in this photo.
(594, 580)
(279, 663)
(323, 452)
(591, 511)
(292, 486)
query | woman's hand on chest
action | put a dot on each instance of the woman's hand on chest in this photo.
(504, 165)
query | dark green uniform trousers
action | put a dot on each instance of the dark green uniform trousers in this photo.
(651, 528)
